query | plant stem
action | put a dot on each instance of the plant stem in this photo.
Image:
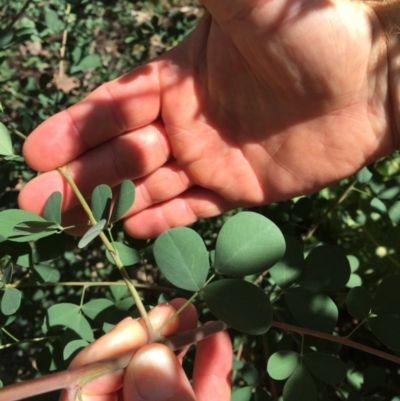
(135, 295)
(19, 14)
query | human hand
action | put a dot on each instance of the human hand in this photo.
(264, 101)
(155, 373)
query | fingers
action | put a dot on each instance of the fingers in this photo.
(125, 104)
(212, 368)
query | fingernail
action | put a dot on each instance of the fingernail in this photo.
(153, 373)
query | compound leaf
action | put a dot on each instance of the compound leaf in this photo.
(182, 256)
(52, 208)
(242, 305)
(282, 364)
(128, 255)
(11, 301)
(124, 200)
(300, 386)
(358, 302)
(92, 233)
(6, 147)
(248, 243)
(387, 296)
(387, 330)
(101, 202)
(325, 367)
(312, 310)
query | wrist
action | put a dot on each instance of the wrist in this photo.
(388, 14)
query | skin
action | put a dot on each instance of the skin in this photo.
(264, 101)
(155, 363)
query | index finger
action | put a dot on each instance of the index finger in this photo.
(122, 105)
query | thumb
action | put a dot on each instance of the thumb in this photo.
(155, 374)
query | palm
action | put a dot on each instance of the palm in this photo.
(270, 105)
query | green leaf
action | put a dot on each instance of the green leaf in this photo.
(101, 202)
(92, 233)
(90, 61)
(11, 301)
(378, 206)
(387, 296)
(42, 273)
(118, 291)
(326, 269)
(312, 310)
(73, 347)
(354, 263)
(282, 364)
(12, 217)
(52, 208)
(128, 256)
(97, 309)
(364, 175)
(182, 256)
(8, 272)
(35, 227)
(394, 212)
(242, 305)
(300, 386)
(387, 330)
(290, 267)
(67, 316)
(6, 147)
(325, 367)
(374, 376)
(242, 394)
(248, 243)
(50, 247)
(53, 22)
(124, 200)
(358, 303)
(6, 37)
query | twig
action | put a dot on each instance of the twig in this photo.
(19, 14)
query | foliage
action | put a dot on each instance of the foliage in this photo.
(300, 282)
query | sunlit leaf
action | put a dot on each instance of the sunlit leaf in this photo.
(289, 268)
(300, 386)
(248, 243)
(52, 208)
(325, 367)
(326, 269)
(242, 305)
(181, 255)
(73, 347)
(282, 364)
(364, 175)
(394, 212)
(11, 301)
(101, 202)
(118, 291)
(242, 394)
(358, 302)
(312, 310)
(98, 309)
(387, 330)
(387, 296)
(378, 206)
(92, 233)
(6, 147)
(128, 256)
(124, 200)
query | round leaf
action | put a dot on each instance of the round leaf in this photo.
(128, 256)
(97, 309)
(6, 147)
(182, 256)
(290, 267)
(242, 305)
(387, 296)
(282, 364)
(101, 202)
(11, 301)
(358, 302)
(248, 243)
(52, 208)
(326, 268)
(300, 386)
(387, 330)
(73, 347)
(124, 200)
(312, 310)
(325, 367)
(242, 394)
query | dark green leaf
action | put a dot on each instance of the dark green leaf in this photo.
(50, 247)
(312, 310)
(52, 208)
(326, 269)
(387, 330)
(387, 296)
(35, 227)
(6, 37)
(11, 301)
(242, 305)
(374, 376)
(8, 272)
(96, 309)
(300, 386)
(325, 367)
(124, 200)
(248, 243)
(6, 147)
(182, 256)
(101, 202)
(290, 267)
(242, 394)
(42, 273)
(282, 364)
(128, 256)
(92, 233)
(358, 302)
